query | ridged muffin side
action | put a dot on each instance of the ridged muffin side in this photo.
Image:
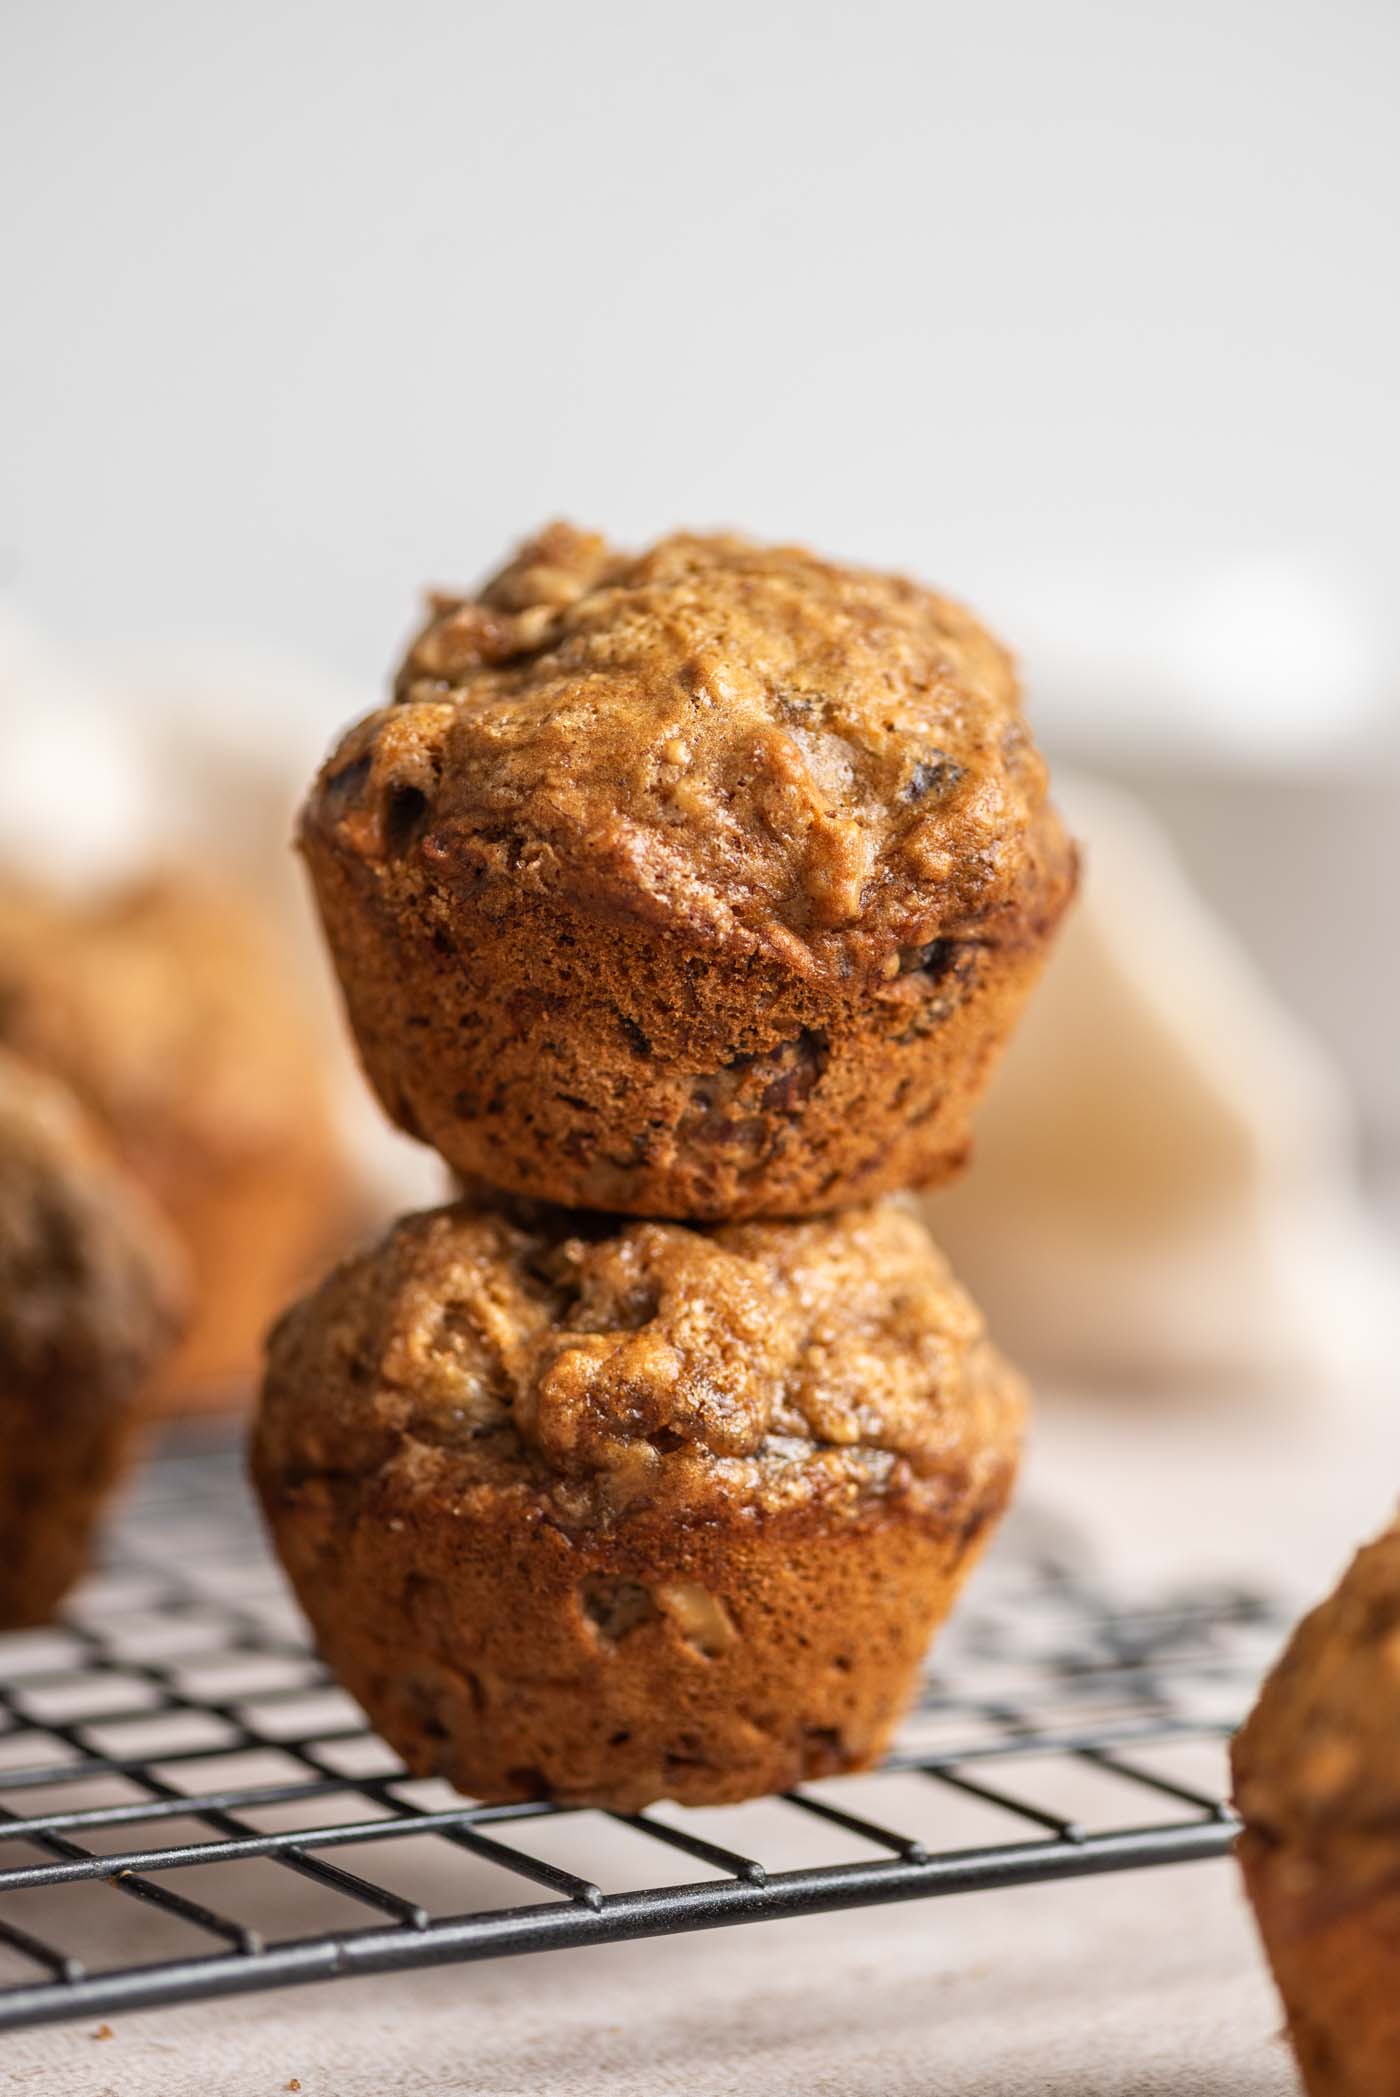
(702, 883)
(606, 1512)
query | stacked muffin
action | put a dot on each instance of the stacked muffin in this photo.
(684, 901)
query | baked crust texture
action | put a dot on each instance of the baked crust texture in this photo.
(701, 883)
(609, 1511)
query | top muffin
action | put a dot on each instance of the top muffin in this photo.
(739, 743)
(662, 868)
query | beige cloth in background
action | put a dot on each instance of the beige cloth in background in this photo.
(1164, 1182)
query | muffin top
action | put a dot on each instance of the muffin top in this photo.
(745, 745)
(1316, 1763)
(91, 1281)
(603, 1365)
(162, 1005)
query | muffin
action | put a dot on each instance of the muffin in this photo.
(607, 1511)
(165, 1008)
(91, 1290)
(706, 883)
(1317, 1782)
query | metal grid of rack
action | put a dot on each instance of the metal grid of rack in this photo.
(190, 1808)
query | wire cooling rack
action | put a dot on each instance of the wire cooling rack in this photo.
(190, 1808)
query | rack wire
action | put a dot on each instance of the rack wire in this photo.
(189, 1807)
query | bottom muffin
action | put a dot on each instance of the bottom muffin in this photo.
(607, 1511)
(1317, 1782)
(91, 1289)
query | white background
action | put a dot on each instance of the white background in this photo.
(1090, 312)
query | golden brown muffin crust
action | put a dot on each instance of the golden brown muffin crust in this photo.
(611, 1512)
(607, 1365)
(745, 744)
(702, 883)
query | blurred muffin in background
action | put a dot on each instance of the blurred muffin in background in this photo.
(1317, 1784)
(164, 1004)
(92, 1296)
